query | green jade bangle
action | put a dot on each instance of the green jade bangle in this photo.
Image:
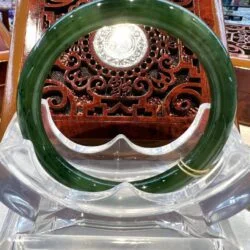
(164, 15)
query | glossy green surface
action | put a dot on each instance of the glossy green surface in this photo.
(161, 14)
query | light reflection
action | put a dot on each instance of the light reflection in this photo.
(32, 35)
(121, 45)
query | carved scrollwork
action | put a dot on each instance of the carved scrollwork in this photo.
(184, 100)
(167, 82)
(167, 65)
(238, 40)
(59, 97)
(97, 85)
(150, 83)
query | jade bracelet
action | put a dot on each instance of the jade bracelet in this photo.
(164, 15)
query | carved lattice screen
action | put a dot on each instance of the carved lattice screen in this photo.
(157, 99)
(238, 37)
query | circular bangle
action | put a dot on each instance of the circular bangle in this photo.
(166, 16)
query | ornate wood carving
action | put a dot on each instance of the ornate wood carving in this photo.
(238, 38)
(160, 95)
(35, 16)
(166, 83)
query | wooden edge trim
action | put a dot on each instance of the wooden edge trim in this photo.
(15, 64)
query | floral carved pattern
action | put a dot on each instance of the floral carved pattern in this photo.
(168, 83)
(238, 38)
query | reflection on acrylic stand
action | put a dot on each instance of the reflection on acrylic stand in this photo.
(44, 208)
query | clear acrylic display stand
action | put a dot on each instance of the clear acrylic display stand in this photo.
(71, 233)
(43, 214)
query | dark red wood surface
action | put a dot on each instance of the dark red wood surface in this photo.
(243, 78)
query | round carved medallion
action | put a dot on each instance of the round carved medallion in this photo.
(121, 45)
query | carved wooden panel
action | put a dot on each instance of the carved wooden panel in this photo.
(34, 16)
(157, 99)
(151, 89)
(238, 38)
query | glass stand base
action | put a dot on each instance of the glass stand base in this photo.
(93, 242)
(53, 232)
